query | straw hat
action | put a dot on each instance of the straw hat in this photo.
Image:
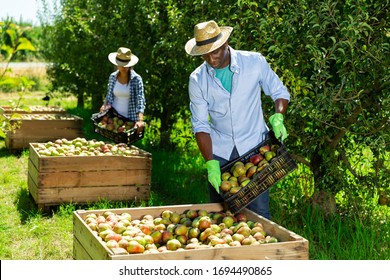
(208, 36)
(123, 57)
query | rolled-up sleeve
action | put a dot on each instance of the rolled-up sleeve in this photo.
(271, 83)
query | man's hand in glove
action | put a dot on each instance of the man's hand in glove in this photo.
(214, 173)
(279, 129)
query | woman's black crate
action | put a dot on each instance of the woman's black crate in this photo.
(128, 136)
(278, 168)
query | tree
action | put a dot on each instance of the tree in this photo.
(334, 58)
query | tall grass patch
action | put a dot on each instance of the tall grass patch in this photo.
(35, 72)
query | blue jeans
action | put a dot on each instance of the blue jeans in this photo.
(260, 205)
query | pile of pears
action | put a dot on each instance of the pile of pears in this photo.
(174, 231)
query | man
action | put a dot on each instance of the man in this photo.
(227, 117)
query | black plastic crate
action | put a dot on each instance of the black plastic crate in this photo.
(128, 136)
(281, 165)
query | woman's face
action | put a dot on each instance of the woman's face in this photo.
(123, 70)
(218, 58)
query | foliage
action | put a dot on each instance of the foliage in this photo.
(13, 40)
(18, 41)
(333, 57)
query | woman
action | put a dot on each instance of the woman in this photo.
(125, 91)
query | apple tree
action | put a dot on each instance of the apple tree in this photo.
(334, 58)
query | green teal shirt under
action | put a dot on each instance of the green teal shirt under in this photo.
(225, 75)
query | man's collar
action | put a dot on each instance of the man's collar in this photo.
(233, 63)
(233, 60)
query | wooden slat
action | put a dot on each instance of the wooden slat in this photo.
(89, 242)
(32, 188)
(35, 110)
(95, 178)
(31, 131)
(32, 171)
(53, 196)
(92, 163)
(79, 252)
(33, 156)
(276, 251)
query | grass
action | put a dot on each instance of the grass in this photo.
(37, 74)
(177, 178)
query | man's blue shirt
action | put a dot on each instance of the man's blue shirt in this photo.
(234, 119)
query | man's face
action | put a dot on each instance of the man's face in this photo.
(218, 58)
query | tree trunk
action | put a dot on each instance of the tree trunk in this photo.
(80, 100)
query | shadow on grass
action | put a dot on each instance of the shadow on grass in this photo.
(5, 152)
(178, 179)
(25, 205)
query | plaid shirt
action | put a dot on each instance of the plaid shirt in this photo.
(136, 98)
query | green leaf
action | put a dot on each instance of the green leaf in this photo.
(25, 45)
(12, 35)
(341, 50)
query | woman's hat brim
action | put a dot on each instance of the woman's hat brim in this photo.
(192, 49)
(133, 60)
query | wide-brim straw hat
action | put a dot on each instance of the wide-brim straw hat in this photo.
(208, 36)
(123, 57)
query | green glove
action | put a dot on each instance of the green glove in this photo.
(276, 121)
(214, 173)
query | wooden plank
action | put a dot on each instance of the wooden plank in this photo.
(45, 134)
(30, 131)
(92, 163)
(8, 141)
(33, 172)
(79, 252)
(55, 196)
(30, 124)
(32, 188)
(275, 251)
(95, 178)
(94, 248)
(33, 156)
(35, 109)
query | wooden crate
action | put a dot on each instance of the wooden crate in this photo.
(86, 245)
(43, 130)
(37, 109)
(81, 179)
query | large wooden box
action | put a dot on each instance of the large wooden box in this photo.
(86, 245)
(55, 180)
(41, 128)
